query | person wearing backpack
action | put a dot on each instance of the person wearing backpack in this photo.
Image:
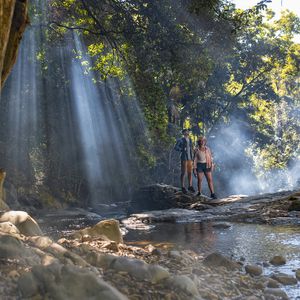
(185, 146)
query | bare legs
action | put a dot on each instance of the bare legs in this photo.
(209, 179)
(186, 167)
(200, 177)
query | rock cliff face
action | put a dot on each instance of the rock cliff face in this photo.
(13, 20)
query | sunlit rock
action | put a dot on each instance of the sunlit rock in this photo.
(8, 227)
(278, 260)
(23, 221)
(157, 273)
(253, 270)
(41, 242)
(106, 228)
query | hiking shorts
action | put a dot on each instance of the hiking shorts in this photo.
(201, 167)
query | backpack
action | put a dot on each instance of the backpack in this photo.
(179, 145)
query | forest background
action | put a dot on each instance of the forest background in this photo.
(227, 73)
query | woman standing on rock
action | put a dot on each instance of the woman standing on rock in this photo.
(203, 165)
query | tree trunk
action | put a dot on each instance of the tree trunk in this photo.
(13, 20)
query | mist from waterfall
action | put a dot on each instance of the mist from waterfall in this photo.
(239, 172)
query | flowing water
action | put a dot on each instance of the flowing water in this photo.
(254, 243)
(251, 243)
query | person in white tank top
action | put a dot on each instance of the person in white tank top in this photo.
(203, 165)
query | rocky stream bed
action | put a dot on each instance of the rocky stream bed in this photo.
(95, 263)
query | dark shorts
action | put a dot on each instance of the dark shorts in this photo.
(201, 167)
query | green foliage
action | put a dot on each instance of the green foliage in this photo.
(224, 61)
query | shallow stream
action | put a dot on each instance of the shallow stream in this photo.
(250, 242)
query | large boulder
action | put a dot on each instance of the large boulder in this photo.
(106, 229)
(12, 247)
(65, 282)
(23, 221)
(161, 196)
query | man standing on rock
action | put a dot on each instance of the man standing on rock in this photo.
(185, 146)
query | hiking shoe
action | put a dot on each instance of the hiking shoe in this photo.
(191, 189)
(183, 189)
(213, 196)
(199, 194)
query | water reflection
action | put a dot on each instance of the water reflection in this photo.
(255, 243)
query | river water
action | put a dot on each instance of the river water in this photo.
(255, 244)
